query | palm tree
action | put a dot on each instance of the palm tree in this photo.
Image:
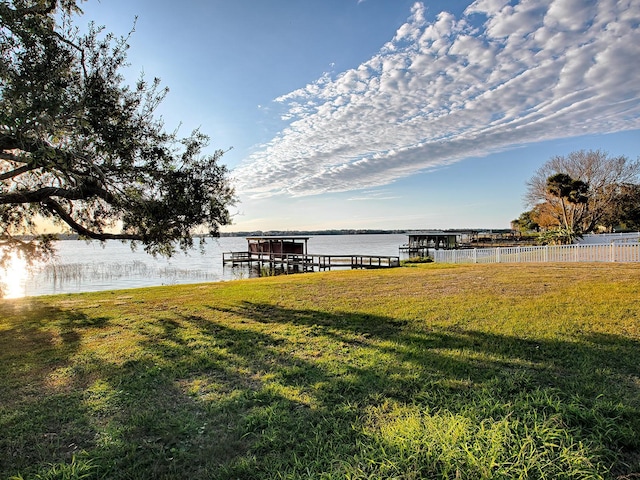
(572, 194)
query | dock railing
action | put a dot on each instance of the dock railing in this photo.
(613, 252)
(309, 262)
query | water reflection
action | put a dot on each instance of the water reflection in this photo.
(13, 277)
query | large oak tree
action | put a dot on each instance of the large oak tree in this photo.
(81, 148)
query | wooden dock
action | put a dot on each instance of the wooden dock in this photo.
(289, 254)
(292, 262)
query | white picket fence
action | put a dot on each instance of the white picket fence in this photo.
(612, 252)
(606, 238)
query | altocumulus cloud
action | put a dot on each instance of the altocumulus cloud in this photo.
(504, 74)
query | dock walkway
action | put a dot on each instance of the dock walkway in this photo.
(310, 262)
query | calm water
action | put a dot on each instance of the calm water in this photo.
(91, 266)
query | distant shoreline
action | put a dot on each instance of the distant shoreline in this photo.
(289, 233)
(355, 232)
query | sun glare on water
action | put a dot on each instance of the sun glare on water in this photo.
(13, 278)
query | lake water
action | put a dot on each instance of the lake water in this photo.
(82, 266)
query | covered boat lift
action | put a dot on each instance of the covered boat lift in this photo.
(420, 242)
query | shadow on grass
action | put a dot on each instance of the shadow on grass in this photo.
(301, 393)
(37, 343)
(463, 353)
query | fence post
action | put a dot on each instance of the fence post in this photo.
(612, 252)
(546, 253)
(498, 254)
(475, 255)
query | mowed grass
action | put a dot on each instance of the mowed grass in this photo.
(421, 372)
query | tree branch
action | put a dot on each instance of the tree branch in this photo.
(34, 10)
(44, 194)
(40, 10)
(9, 156)
(11, 142)
(56, 209)
(16, 172)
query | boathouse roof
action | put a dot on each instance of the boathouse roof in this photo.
(430, 233)
(277, 237)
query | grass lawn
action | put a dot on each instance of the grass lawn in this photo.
(420, 372)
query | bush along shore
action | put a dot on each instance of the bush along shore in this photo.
(426, 371)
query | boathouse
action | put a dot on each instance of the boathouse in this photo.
(420, 242)
(277, 246)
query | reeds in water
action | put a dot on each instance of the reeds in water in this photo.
(111, 271)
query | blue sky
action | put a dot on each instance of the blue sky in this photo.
(389, 114)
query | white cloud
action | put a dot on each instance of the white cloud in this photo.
(444, 91)
(373, 195)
